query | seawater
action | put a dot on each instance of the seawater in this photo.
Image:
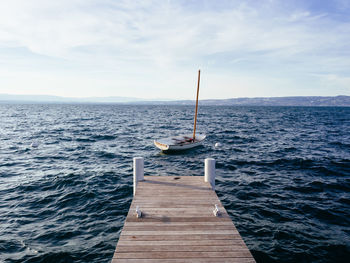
(283, 174)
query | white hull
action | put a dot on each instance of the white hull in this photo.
(178, 143)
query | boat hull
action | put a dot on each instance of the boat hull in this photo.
(179, 143)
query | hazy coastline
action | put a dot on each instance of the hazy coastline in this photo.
(332, 101)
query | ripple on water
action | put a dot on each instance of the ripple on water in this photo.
(283, 174)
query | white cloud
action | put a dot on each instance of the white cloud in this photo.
(154, 44)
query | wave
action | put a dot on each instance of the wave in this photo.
(283, 174)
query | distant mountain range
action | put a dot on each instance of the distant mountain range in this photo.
(263, 101)
(285, 101)
(58, 99)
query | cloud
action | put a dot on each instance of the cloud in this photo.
(160, 39)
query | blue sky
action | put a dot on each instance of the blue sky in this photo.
(153, 49)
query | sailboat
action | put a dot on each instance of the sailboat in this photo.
(184, 141)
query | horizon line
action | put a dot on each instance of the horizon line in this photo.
(156, 99)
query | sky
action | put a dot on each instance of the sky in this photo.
(153, 49)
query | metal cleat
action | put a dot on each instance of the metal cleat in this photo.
(216, 211)
(138, 212)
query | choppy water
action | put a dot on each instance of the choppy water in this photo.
(283, 174)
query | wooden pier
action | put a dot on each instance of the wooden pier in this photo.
(178, 223)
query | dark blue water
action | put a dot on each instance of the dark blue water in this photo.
(283, 174)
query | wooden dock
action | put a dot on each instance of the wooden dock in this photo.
(177, 224)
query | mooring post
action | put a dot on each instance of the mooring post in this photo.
(138, 171)
(209, 172)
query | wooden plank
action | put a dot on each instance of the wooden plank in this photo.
(176, 254)
(191, 190)
(219, 223)
(153, 196)
(182, 242)
(171, 178)
(185, 260)
(178, 237)
(187, 232)
(174, 212)
(188, 198)
(174, 215)
(191, 200)
(172, 205)
(131, 218)
(178, 225)
(187, 179)
(179, 248)
(187, 210)
(174, 187)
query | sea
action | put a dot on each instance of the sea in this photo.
(282, 173)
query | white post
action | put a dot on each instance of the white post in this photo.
(209, 172)
(138, 171)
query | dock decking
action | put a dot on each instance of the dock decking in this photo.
(178, 225)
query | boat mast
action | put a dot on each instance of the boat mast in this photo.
(195, 115)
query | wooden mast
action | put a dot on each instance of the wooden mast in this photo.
(195, 115)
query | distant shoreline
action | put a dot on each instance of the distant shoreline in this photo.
(326, 101)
